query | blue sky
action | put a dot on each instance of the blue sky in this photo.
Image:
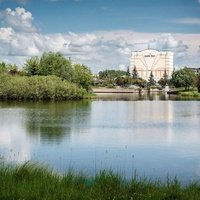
(99, 33)
(91, 15)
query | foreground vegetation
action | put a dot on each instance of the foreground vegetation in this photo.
(32, 182)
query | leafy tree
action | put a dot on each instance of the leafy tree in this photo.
(135, 73)
(183, 78)
(82, 76)
(12, 69)
(151, 80)
(198, 82)
(111, 74)
(140, 82)
(123, 81)
(55, 64)
(3, 68)
(32, 66)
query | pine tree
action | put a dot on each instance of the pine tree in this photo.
(164, 80)
(128, 71)
(135, 73)
(151, 80)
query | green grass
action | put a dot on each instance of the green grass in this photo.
(90, 96)
(189, 94)
(30, 181)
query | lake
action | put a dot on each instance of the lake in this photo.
(153, 136)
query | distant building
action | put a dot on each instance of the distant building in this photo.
(149, 60)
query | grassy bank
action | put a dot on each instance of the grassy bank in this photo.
(32, 182)
(194, 94)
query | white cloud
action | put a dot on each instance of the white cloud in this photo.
(199, 1)
(168, 42)
(190, 21)
(122, 67)
(6, 34)
(19, 19)
(99, 50)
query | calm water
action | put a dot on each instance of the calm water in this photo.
(119, 132)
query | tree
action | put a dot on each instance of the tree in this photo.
(140, 82)
(111, 74)
(128, 72)
(12, 69)
(32, 66)
(198, 82)
(151, 80)
(164, 80)
(135, 73)
(56, 64)
(183, 78)
(3, 68)
(82, 76)
(123, 81)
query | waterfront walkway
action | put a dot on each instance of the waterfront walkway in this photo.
(114, 90)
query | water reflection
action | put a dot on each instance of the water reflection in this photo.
(155, 138)
(136, 96)
(26, 125)
(53, 121)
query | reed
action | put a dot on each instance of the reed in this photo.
(30, 181)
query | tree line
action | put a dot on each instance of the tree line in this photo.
(184, 77)
(51, 76)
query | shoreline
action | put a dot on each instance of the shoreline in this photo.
(122, 90)
(30, 181)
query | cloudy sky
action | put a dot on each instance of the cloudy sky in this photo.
(99, 33)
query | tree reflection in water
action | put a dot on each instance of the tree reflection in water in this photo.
(52, 121)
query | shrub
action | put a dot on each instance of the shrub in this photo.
(38, 88)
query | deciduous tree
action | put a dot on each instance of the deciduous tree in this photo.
(32, 66)
(82, 76)
(183, 78)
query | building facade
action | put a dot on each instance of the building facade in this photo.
(149, 60)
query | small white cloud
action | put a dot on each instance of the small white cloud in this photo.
(122, 67)
(19, 19)
(189, 21)
(104, 8)
(199, 1)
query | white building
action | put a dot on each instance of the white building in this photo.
(149, 60)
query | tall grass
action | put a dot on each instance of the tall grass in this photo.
(30, 181)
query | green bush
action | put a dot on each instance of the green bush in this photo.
(38, 88)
